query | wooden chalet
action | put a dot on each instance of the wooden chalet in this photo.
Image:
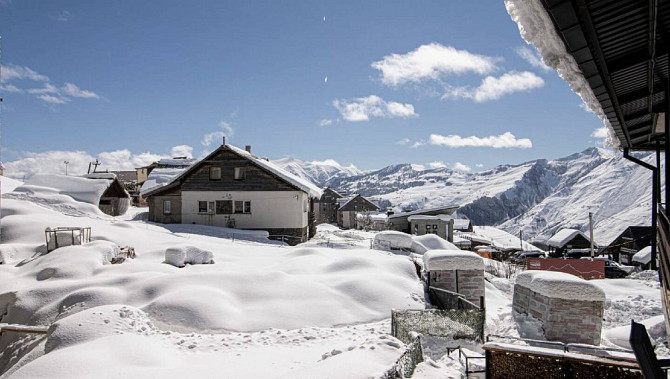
(347, 213)
(326, 207)
(629, 242)
(400, 221)
(565, 240)
(233, 188)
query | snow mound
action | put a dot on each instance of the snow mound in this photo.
(181, 255)
(432, 242)
(79, 188)
(8, 184)
(643, 256)
(436, 260)
(394, 240)
(560, 285)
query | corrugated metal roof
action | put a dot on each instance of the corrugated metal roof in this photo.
(621, 47)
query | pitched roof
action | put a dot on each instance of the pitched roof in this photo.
(563, 236)
(84, 189)
(303, 185)
(351, 201)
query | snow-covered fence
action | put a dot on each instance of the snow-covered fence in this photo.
(66, 236)
(405, 365)
(570, 308)
(454, 323)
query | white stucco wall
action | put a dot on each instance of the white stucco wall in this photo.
(269, 209)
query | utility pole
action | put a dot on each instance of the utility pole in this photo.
(66, 163)
(591, 231)
(521, 239)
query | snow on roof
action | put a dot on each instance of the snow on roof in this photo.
(563, 236)
(178, 162)
(310, 188)
(501, 239)
(536, 27)
(425, 217)
(461, 224)
(160, 177)
(379, 217)
(101, 175)
(434, 260)
(424, 211)
(643, 256)
(77, 187)
(560, 285)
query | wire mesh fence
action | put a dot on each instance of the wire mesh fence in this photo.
(454, 323)
(406, 364)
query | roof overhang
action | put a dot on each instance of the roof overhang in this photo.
(621, 48)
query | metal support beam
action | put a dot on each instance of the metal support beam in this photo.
(654, 200)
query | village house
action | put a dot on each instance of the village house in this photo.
(326, 207)
(101, 189)
(233, 188)
(165, 167)
(347, 214)
(400, 221)
(629, 242)
(568, 239)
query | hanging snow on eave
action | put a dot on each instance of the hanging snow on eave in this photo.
(536, 28)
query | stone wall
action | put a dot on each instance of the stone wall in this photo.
(565, 320)
(469, 283)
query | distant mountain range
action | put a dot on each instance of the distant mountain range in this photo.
(537, 198)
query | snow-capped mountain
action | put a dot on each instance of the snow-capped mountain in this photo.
(318, 172)
(538, 197)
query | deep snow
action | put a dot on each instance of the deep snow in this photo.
(261, 309)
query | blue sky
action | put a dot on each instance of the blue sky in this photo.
(369, 83)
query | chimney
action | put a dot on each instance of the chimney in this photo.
(224, 140)
(248, 149)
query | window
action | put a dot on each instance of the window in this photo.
(427, 228)
(215, 173)
(205, 207)
(240, 173)
(224, 207)
(167, 207)
(242, 206)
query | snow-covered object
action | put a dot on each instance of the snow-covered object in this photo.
(8, 184)
(536, 27)
(172, 162)
(643, 256)
(445, 260)
(393, 240)
(434, 242)
(181, 255)
(560, 285)
(315, 171)
(426, 218)
(500, 239)
(160, 177)
(563, 236)
(78, 188)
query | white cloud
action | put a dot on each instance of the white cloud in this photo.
(54, 99)
(418, 143)
(532, 57)
(49, 92)
(461, 167)
(74, 91)
(431, 61)
(325, 122)
(51, 162)
(10, 88)
(48, 88)
(227, 131)
(13, 72)
(506, 140)
(493, 88)
(64, 16)
(403, 141)
(600, 133)
(362, 108)
(182, 151)
(479, 165)
(437, 164)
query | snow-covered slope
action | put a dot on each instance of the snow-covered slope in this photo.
(538, 197)
(318, 172)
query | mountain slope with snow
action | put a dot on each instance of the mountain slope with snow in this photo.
(538, 197)
(318, 172)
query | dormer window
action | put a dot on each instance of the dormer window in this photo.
(240, 173)
(215, 173)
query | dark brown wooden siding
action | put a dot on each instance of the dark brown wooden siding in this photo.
(255, 179)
